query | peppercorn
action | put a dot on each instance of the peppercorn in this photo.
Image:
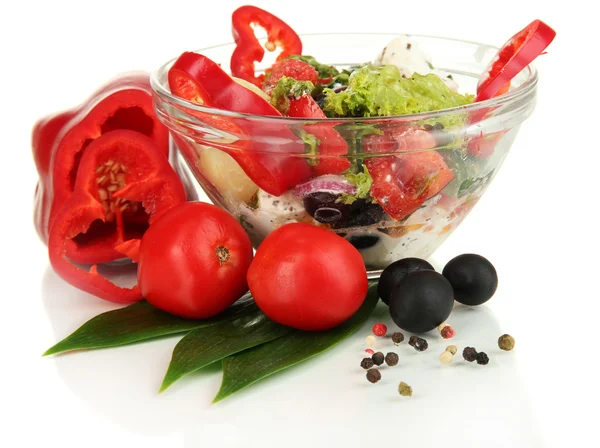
(397, 337)
(369, 351)
(378, 358)
(452, 349)
(404, 389)
(379, 330)
(506, 342)
(371, 340)
(446, 357)
(391, 359)
(470, 354)
(373, 375)
(482, 359)
(446, 331)
(418, 343)
(366, 363)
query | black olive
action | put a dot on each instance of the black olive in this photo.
(422, 301)
(395, 273)
(327, 215)
(360, 214)
(473, 278)
(363, 241)
(323, 206)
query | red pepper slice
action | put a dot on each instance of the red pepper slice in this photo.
(58, 143)
(119, 171)
(249, 50)
(514, 56)
(273, 167)
(402, 183)
(331, 144)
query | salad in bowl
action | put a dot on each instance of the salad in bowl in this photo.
(387, 140)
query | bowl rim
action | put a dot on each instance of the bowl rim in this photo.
(511, 96)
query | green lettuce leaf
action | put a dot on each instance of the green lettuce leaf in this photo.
(287, 88)
(362, 181)
(382, 91)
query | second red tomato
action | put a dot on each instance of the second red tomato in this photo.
(307, 277)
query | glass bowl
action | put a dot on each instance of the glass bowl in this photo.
(251, 165)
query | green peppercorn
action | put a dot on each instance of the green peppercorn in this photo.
(404, 389)
(482, 359)
(470, 354)
(378, 358)
(391, 359)
(373, 375)
(506, 342)
(397, 338)
(366, 363)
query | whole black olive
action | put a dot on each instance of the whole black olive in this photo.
(395, 273)
(422, 301)
(473, 278)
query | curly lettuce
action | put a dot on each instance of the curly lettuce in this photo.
(382, 91)
(362, 181)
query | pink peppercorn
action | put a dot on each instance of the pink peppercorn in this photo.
(369, 351)
(379, 330)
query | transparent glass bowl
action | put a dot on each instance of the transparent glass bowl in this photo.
(211, 146)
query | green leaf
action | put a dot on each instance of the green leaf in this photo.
(471, 185)
(250, 366)
(204, 346)
(138, 322)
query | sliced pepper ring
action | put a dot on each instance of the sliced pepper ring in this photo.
(145, 177)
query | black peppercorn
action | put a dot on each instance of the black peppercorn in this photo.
(366, 363)
(397, 337)
(418, 343)
(373, 375)
(378, 358)
(470, 354)
(482, 358)
(391, 359)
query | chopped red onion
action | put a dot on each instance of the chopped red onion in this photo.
(328, 183)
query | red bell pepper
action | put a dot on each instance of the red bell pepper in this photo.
(331, 145)
(401, 183)
(119, 172)
(249, 50)
(58, 143)
(267, 152)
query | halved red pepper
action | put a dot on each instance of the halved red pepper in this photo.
(332, 145)
(267, 152)
(401, 183)
(249, 50)
(120, 171)
(58, 143)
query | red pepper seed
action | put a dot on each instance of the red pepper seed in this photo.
(379, 330)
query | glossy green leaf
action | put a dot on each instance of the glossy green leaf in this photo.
(204, 346)
(139, 322)
(250, 366)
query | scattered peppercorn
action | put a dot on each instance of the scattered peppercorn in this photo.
(470, 354)
(397, 337)
(452, 349)
(446, 357)
(506, 342)
(371, 341)
(366, 363)
(379, 330)
(418, 343)
(446, 331)
(378, 358)
(373, 375)
(404, 389)
(391, 359)
(482, 359)
(369, 351)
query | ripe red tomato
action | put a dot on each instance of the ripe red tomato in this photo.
(307, 277)
(193, 261)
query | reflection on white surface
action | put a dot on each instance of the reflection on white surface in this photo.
(463, 403)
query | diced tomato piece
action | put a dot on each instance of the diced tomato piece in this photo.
(291, 68)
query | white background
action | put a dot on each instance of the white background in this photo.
(536, 223)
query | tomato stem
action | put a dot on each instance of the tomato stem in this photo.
(223, 254)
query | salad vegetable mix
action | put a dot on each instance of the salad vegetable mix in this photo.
(322, 201)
